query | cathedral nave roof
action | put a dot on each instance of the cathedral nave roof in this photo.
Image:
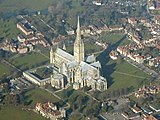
(65, 54)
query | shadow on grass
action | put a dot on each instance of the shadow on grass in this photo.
(104, 58)
(25, 98)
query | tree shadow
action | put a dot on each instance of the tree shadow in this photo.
(103, 58)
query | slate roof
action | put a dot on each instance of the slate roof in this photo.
(65, 54)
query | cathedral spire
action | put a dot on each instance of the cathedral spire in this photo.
(78, 30)
(78, 45)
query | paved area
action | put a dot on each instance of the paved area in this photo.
(122, 101)
(111, 116)
(117, 116)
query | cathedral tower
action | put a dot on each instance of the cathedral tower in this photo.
(52, 55)
(78, 45)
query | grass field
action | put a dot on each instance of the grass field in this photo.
(39, 95)
(124, 75)
(8, 28)
(29, 60)
(10, 112)
(13, 5)
(16, 113)
(119, 73)
(112, 37)
(4, 70)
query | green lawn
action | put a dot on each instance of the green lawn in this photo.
(10, 112)
(29, 60)
(4, 70)
(13, 5)
(113, 37)
(119, 73)
(8, 28)
(16, 113)
(125, 75)
(39, 95)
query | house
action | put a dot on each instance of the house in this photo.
(129, 115)
(97, 2)
(132, 21)
(139, 93)
(149, 117)
(113, 55)
(70, 31)
(23, 27)
(155, 107)
(50, 111)
(114, 28)
(140, 59)
(151, 63)
(146, 110)
(33, 39)
(135, 109)
(152, 89)
(22, 50)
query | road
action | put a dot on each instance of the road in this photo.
(9, 64)
(101, 117)
(47, 24)
(129, 74)
(91, 96)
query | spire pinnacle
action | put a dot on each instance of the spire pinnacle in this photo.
(78, 30)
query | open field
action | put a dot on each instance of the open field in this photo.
(8, 28)
(4, 70)
(121, 74)
(16, 113)
(39, 95)
(14, 5)
(29, 60)
(8, 112)
(112, 37)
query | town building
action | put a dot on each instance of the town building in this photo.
(155, 107)
(149, 117)
(50, 111)
(25, 28)
(97, 2)
(139, 59)
(113, 55)
(34, 79)
(129, 115)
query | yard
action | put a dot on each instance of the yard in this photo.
(4, 71)
(121, 74)
(30, 98)
(29, 60)
(39, 95)
(14, 5)
(16, 113)
(8, 28)
(113, 37)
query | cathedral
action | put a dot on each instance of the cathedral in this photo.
(75, 69)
